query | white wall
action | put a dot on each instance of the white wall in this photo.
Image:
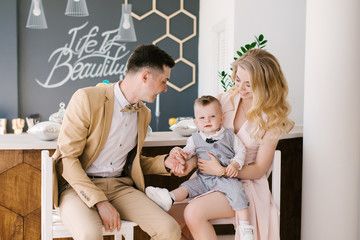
(281, 21)
(214, 17)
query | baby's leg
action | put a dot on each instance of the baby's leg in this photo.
(179, 194)
(242, 215)
(244, 230)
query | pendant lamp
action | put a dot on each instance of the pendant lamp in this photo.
(76, 8)
(36, 18)
(126, 29)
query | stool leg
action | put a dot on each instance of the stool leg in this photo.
(118, 237)
(129, 234)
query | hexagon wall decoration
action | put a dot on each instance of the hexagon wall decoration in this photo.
(171, 34)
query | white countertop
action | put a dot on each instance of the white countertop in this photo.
(155, 139)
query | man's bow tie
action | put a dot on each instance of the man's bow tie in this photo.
(210, 140)
(130, 108)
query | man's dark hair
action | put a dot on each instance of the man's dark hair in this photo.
(149, 56)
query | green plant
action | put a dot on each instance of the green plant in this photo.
(225, 77)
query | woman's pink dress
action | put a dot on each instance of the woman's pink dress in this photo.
(263, 212)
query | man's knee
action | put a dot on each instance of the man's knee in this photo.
(168, 230)
(83, 223)
(84, 230)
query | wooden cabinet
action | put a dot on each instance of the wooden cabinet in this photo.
(20, 194)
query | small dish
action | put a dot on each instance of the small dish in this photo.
(184, 127)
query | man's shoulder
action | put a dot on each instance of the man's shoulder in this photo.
(94, 93)
(95, 89)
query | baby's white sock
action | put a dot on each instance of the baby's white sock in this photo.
(243, 223)
(172, 196)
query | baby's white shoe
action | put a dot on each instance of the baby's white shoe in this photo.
(160, 196)
(246, 232)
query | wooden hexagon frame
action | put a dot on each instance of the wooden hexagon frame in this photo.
(169, 35)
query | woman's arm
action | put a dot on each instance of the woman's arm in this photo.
(263, 160)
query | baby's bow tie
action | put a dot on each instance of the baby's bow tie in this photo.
(130, 108)
(210, 140)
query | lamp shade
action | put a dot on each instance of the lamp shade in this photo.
(76, 8)
(36, 18)
(126, 29)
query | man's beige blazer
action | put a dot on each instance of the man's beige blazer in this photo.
(83, 134)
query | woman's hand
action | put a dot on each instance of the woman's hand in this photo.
(211, 167)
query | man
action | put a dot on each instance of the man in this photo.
(98, 162)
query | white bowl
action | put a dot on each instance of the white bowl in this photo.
(46, 130)
(184, 128)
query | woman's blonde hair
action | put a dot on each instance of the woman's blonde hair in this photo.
(269, 90)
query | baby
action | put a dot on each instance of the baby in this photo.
(229, 151)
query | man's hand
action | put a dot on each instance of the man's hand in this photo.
(110, 217)
(181, 171)
(176, 158)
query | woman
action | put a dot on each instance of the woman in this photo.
(257, 109)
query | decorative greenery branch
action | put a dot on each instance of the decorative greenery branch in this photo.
(225, 77)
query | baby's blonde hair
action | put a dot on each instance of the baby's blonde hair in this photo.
(269, 90)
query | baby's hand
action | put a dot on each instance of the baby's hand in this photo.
(231, 171)
(177, 153)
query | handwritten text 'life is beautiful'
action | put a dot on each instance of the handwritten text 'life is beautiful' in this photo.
(85, 57)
